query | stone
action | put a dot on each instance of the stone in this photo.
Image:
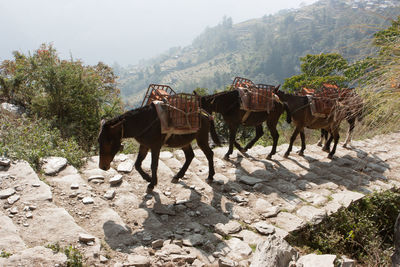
(110, 194)
(239, 249)
(14, 210)
(311, 214)
(193, 240)
(7, 193)
(14, 198)
(36, 256)
(249, 180)
(163, 209)
(264, 228)
(96, 177)
(53, 165)
(103, 259)
(125, 166)
(228, 228)
(347, 262)
(396, 239)
(274, 252)
(226, 262)
(137, 261)
(157, 243)
(87, 200)
(74, 186)
(117, 179)
(261, 205)
(29, 215)
(10, 240)
(312, 260)
(346, 197)
(5, 162)
(271, 212)
(287, 221)
(85, 238)
(164, 155)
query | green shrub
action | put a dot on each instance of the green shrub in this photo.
(74, 257)
(364, 231)
(32, 139)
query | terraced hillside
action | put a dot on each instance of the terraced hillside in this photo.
(110, 219)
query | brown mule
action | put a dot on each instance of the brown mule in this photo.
(144, 125)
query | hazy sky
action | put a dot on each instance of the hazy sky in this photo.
(122, 31)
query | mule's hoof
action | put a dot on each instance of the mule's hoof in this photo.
(149, 189)
(330, 156)
(209, 180)
(286, 155)
(319, 144)
(301, 153)
(325, 149)
(175, 180)
(269, 156)
(226, 157)
(345, 145)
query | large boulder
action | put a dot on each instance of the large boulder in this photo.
(274, 252)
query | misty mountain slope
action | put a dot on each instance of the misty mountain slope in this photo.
(266, 49)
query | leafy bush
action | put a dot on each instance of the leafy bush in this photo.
(74, 257)
(364, 231)
(32, 139)
(73, 96)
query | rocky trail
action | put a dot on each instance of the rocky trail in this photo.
(110, 219)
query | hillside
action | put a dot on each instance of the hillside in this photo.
(266, 49)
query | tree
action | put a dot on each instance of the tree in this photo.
(73, 96)
(318, 69)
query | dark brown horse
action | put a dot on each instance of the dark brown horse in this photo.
(144, 125)
(228, 105)
(300, 110)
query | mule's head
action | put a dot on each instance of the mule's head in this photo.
(109, 142)
(281, 94)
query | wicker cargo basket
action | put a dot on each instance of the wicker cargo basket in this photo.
(184, 112)
(157, 92)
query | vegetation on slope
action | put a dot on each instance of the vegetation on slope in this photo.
(266, 50)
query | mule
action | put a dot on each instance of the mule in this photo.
(144, 125)
(354, 111)
(227, 104)
(300, 110)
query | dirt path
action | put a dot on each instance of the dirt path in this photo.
(190, 223)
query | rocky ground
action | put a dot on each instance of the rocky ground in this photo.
(110, 219)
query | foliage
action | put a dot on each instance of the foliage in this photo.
(5, 254)
(74, 257)
(265, 49)
(33, 139)
(73, 96)
(364, 231)
(324, 68)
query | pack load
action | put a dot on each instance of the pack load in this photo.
(178, 113)
(323, 100)
(254, 98)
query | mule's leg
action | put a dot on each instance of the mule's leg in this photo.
(275, 136)
(327, 146)
(336, 141)
(303, 143)
(189, 155)
(155, 154)
(232, 137)
(292, 138)
(324, 136)
(138, 164)
(203, 144)
(352, 122)
(259, 133)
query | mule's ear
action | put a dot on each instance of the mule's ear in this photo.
(102, 122)
(194, 92)
(277, 87)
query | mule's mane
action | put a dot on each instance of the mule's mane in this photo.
(126, 115)
(208, 97)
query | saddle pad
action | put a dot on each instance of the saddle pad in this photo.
(157, 95)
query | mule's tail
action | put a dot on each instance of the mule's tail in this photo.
(214, 134)
(288, 114)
